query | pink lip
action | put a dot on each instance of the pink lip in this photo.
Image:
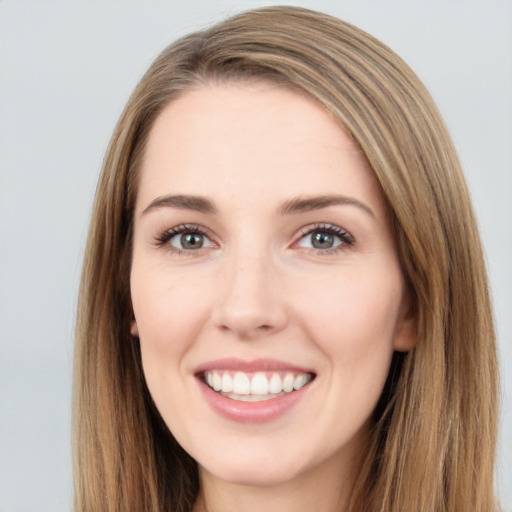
(256, 365)
(250, 412)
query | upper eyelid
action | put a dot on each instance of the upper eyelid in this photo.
(326, 226)
(318, 226)
(186, 227)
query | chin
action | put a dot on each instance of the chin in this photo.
(248, 462)
(256, 474)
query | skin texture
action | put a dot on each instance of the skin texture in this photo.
(258, 288)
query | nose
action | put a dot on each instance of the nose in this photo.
(251, 301)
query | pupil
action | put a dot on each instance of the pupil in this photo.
(322, 240)
(192, 241)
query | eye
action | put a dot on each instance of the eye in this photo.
(185, 238)
(326, 238)
(189, 241)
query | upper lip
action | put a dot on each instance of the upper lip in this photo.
(254, 365)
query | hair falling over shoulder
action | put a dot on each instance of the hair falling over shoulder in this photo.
(435, 428)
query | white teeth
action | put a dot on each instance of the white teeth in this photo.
(217, 381)
(259, 387)
(288, 382)
(275, 384)
(259, 384)
(300, 381)
(251, 398)
(227, 383)
(241, 384)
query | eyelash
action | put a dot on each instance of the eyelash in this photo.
(164, 239)
(347, 241)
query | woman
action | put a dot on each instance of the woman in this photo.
(284, 302)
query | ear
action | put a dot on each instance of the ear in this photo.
(406, 329)
(134, 329)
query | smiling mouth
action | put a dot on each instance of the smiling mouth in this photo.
(255, 387)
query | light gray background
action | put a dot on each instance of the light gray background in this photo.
(66, 71)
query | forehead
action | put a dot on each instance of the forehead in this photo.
(241, 140)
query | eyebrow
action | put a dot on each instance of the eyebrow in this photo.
(297, 205)
(307, 204)
(182, 202)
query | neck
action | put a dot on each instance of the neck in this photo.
(323, 489)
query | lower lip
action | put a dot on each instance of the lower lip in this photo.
(251, 412)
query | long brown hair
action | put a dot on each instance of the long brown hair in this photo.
(434, 432)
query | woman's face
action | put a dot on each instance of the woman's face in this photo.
(266, 287)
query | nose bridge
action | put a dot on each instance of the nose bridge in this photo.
(250, 300)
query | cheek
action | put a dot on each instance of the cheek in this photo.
(169, 313)
(353, 318)
(166, 310)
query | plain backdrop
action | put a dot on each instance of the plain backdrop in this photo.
(66, 71)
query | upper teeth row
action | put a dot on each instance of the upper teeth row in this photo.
(242, 384)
